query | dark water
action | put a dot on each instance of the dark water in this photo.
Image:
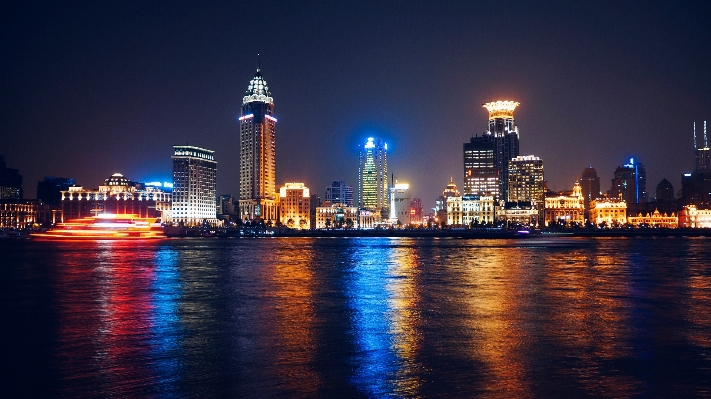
(357, 317)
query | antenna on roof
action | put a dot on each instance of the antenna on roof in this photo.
(706, 143)
(259, 66)
(694, 135)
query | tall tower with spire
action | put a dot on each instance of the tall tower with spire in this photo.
(257, 160)
(702, 154)
(503, 134)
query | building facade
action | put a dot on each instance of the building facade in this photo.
(590, 184)
(373, 176)
(338, 215)
(257, 159)
(608, 211)
(10, 182)
(655, 219)
(416, 215)
(49, 190)
(295, 206)
(565, 209)
(400, 204)
(692, 218)
(630, 183)
(503, 134)
(339, 192)
(470, 211)
(117, 195)
(194, 185)
(481, 175)
(526, 180)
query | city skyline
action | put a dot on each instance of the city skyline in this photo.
(594, 89)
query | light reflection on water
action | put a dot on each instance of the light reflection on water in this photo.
(363, 317)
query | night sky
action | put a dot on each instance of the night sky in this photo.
(92, 88)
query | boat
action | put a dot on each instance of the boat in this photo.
(105, 227)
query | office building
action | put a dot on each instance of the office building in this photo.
(481, 175)
(416, 216)
(10, 182)
(295, 206)
(339, 192)
(696, 186)
(194, 185)
(664, 192)
(590, 184)
(630, 183)
(257, 153)
(400, 204)
(526, 180)
(503, 134)
(49, 190)
(373, 176)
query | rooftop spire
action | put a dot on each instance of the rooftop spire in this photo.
(259, 66)
(694, 135)
(706, 143)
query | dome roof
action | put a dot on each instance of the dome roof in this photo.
(116, 179)
(258, 90)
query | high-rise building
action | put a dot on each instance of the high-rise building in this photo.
(416, 211)
(257, 160)
(503, 134)
(590, 184)
(194, 185)
(373, 176)
(703, 154)
(665, 191)
(49, 190)
(10, 181)
(696, 186)
(481, 175)
(295, 206)
(630, 182)
(526, 180)
(400, 204)
(339, 193)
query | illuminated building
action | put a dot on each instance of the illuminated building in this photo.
(470, 210)
(416, 211)
(339, 192)
(339, 215)
(481, 175)
(693, 218)
(257, 159)
(117, 195)
(373, 175)
(400, 204)
(655, 219)
(566, 209)
(526, 180)
(590, 184)
(194, 185)
(696, 186)
(49, 190)
(503, 134)
(368, 219)
(611, 211)
(517, 212)
(10, 182)
(17, 213)
(441, 202)
(227, 208)
(631, 182)
(295, 206)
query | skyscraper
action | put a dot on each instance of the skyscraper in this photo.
(665, 191)
(257, 157)
(526, 180)
(481, 176)
(10, 181)
(503, 134)
(702, 155)
(194, 185)
(630, 182)
(590, 184)
(339, 193)
(373, 175)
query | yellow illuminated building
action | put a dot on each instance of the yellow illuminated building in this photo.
(568, 209)
(693, 218)
(338, 215)
(470, 209)
(611, 211)
(655, 219)
(295, 206)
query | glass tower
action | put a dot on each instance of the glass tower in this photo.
(373, 175)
